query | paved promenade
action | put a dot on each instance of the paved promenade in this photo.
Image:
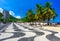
(23, 32)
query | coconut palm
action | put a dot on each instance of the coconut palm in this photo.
(30, 15)
(49, 13)
(38, 15)
(54, 14)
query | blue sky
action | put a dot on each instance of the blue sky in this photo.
(20, 7)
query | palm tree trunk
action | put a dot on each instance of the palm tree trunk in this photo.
(48, 23)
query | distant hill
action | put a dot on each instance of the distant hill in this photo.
(6, 17)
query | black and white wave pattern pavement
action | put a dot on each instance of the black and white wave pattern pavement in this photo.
(15, 32)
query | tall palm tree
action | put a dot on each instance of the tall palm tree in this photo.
(38, 15)
(30, 15)
(49, 13)
(54, 14)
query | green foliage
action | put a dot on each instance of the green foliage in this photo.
(10, 19)
(38, 15)
(30, 15)
(24, 20)
(49, 12)
(42, 13)
(1, 15)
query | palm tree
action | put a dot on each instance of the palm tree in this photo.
(30, 15)
(54, 14)
(38, 15)
(49, 13)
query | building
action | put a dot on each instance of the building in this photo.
(5, 14)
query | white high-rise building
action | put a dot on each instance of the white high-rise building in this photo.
(5, 14)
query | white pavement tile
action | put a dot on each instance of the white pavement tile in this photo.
(10, 28)
(22, 28)
(58, 35)
(43, 37)
(12, 39)
(29, 34)
(5, 35)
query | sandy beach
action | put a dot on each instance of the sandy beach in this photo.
(53, 28)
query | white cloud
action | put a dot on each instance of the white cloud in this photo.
(18, 17)
(12, 13)
(1, 10)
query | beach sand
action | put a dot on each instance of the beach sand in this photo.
(53, 28)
